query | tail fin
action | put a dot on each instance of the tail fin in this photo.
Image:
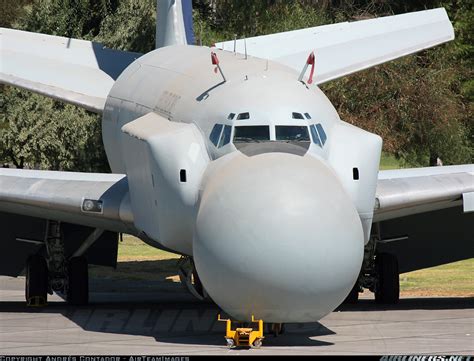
(174, 24)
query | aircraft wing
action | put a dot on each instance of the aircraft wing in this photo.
(424, 216)
(88, 199)
(75, 71)
(345, 48)
(405, 192)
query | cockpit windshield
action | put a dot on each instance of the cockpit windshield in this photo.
(251, 133)
(292, 133)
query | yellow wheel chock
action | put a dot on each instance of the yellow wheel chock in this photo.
(243, 336)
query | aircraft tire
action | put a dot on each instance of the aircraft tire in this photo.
(388, 287)
(36, 285)
(78, 277)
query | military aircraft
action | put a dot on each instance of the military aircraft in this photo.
(234, 158)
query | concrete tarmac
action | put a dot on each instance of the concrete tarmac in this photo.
(147, 318)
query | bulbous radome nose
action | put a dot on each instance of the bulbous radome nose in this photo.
(277, 237)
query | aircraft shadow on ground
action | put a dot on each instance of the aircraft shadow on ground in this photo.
(150, 303)
(167, 322)
(141, 298)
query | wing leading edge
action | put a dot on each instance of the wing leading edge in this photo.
(75, 71)
(425, 215)
(94, 200)
(405, 192)
(345, 48)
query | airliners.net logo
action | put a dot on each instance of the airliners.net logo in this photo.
(427, 358)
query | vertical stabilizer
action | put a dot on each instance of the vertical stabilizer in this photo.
(174, 24)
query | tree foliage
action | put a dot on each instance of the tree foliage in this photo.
(413, 108)
(11, 10)
(69, 18)
(421, 105)
(46, 134)
(132, 27)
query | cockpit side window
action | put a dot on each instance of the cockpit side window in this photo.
(315, 135)
(215, 134)
(319, 135)
(297, 115)
(225, 137)
(322, 133)
(251, 133)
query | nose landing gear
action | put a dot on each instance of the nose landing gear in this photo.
(276, 329)
(189, 278)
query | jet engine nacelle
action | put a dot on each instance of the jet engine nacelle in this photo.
(165, 162)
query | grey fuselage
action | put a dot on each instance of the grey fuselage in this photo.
(276, 225)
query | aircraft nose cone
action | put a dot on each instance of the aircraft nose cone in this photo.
(277, 237)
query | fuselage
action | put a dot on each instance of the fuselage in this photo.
(255, 177)
(180, 84)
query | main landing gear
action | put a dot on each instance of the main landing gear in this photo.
(78, 281)
(36, 289)
(387, 287)
(54, 272)
(380, 274)
(38, 283)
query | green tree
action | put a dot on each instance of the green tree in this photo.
(11, 10)
(40, 133)
(69, 18)
(412, 106)
(132, 27)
